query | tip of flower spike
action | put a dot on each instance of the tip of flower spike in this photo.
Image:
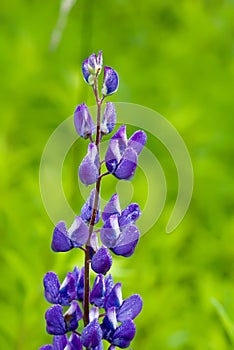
(92, 67)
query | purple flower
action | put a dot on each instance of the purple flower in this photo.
(109, 284)
(76, 236)
(98, 292)
(111, 208)
(119, 232)
(91, 336)
(79, 278)
(120, 336)
(71, 289)
(83, 121)
(114, 298)
(124, 334)
(60, 294)
(59, 324)
(87, 209)
(127, 308)
(122, 154)
(75, 342)
(130, 308)
(101, 261)
(61, 342)
(109, 119)
(89, 167)
(91, 67)
(110, 82)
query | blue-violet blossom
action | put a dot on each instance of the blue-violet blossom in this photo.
(106, 315)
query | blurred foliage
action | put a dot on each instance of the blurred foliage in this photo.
(176, 57)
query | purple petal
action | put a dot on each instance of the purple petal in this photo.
(109, 119)
(110, 82)
(80, 286)
(110, 232)
(127, 241)
(99, 347)
(83, 121)
(78, 232)
(124, 334)
(60, 342)
(89, 167)
(101, 261)
(113, 156)
(130, 308)
(92, 62)
(97, 294)
(114, 299)
(89, 78)
(112, 207)
(91, 335)
(129, 215)
(109, 324)
(60, 240)
(94, 242)
(87, 209)
(100, 59)
(121, 137)
(109, 284)
(54, 320)
(74, 340)
(112, 347)
(111, 315)
(72, 316)
(68, 289)
(95, 63)
(137, 141)
(51, 286)
(76, 273)
(94, 313)
(117, 146)
(127, 166)
(46, 347)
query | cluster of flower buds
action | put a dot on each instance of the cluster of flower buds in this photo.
(106, 315)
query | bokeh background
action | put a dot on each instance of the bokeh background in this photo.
(175, 57)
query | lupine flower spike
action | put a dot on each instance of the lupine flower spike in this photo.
(84, 316)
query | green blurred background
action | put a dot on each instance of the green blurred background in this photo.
(176, 57)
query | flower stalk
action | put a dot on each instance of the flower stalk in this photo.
(106, 315)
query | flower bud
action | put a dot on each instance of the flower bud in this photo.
(83, 121)
(111, 81)
(89, 167)
(92, 67)
(109, 119)
(101, 261)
